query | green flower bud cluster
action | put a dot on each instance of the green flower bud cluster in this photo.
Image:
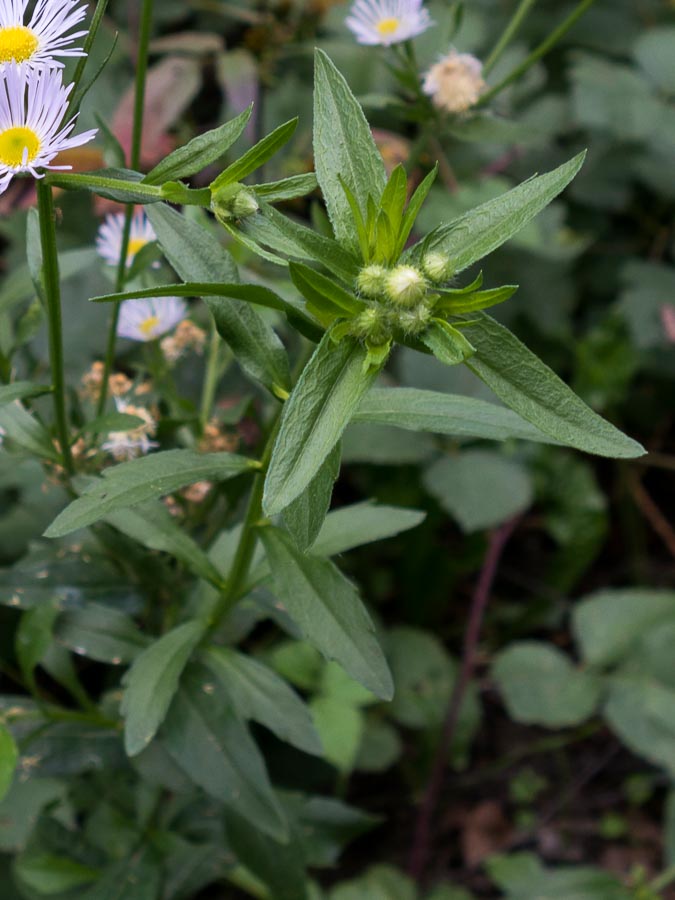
(403, 298)
(234, 201)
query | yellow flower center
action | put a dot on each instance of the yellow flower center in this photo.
(135, 246)
(17, 43)
(15, 142)
(388, 26)
(149, 325)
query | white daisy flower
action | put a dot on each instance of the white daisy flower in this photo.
(387, 22)
(33, 103)
(455, 82)
(44, 36)
(111, 232)
(123, 445)
(145, 320)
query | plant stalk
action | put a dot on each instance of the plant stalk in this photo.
(422, 838)
(211, 377)
(537, 53)
(508, 34)
(52, 288)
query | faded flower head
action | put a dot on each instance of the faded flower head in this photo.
(187, 336)
(146, 320)
(111, 233)
(387, 22)
(33, 103)
(455, 82)
(123, 445)
(44, 36)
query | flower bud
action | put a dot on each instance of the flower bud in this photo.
(234, 201)
(437, 267)
(413, 321)
(371, 281)
(406, 286)
(372, 325)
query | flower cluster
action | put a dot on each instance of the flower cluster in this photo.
(34, 102)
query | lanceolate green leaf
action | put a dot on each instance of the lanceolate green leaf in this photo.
(479, 232)
(318, 411)
(212, 745)
(21, 390)
(343, 148)
(152, 681)
(197, 256)
(102, 633)
(256, 156)
(419, 410)
(9, 756)
(304, 517)
(199, 152)
(23, 430)
(328, 611)
(287, 188)
(524, 383)
(132, 483)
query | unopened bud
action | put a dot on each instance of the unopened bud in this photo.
(437, 267)
(372, 325)
(406, 286)
(371, 281)
(413, 321)
(234, 201)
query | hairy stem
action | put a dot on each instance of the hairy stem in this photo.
(145, 31)
(538, 52)
(509, 33)
(52, 288)
(421, 841)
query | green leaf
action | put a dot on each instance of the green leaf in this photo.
(288, 188)
(49, 874)
(153, 526)
(340, 727)
(479, 488)
(22, 806)
(102, 633)
(343, 149)
(448, 345)
(456, 305)
(304, 517)
(323, 293)
(525, 384)
(394, 197)
(137, 878)
(212, 745)
(9, 756)
(314, 417)
(115, 421)
(541, 686)
(200, 152)
(479, 232)
(33, 639)
(256, 156)
(609, 623)
(113, 184)
(258, 693)
(642, 712)
(327, 610)
(132, 483)
(21, 390)
(413, 209)
(456, 415)
(24, 430)
(152, 681)
(198, 257)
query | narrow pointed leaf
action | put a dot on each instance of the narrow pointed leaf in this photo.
(328, 611)
(304, 517)
(147, 478)
(317, 412)
(21, 390)
(316, 288)
(478, 300)
(288, 188)
(102, 633)
(447, 344)
(256, 156)
(527, 385)
(9, 757)
(413, 209)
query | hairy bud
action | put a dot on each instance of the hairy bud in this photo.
(234, 201)
(406, 286)
(437, 267)
(371, 281)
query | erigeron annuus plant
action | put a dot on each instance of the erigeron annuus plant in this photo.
(182, 705)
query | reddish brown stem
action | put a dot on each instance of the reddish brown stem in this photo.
(421, 842)
(653, 515)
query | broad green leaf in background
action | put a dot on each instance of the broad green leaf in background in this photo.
(343, 149)
(259, 694)
(9, 756)
(540, 686)
(304, 517)
(608, 623)
(102, 633)
(522, 877)
(137, 878)
(49, 874)
(479, 232)
(340, 726)
(317, 412)
(328, 611)
(379, 883)
(197, 256)
(21, 390)
(642, 712)
(200, 152)
(211, 744)
(526, 384)
(24, 430)
(116, 421)
(479, 488)
(21, 808)
(132, 483)
(455, 415)
(33, 638)
(152, 681)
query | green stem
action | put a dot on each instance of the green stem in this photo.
(509, 33)
(664, 880)
(102, 184)
(52, 288)
(247, 540)
(538, 53)
(144, 34)
(211, 377)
